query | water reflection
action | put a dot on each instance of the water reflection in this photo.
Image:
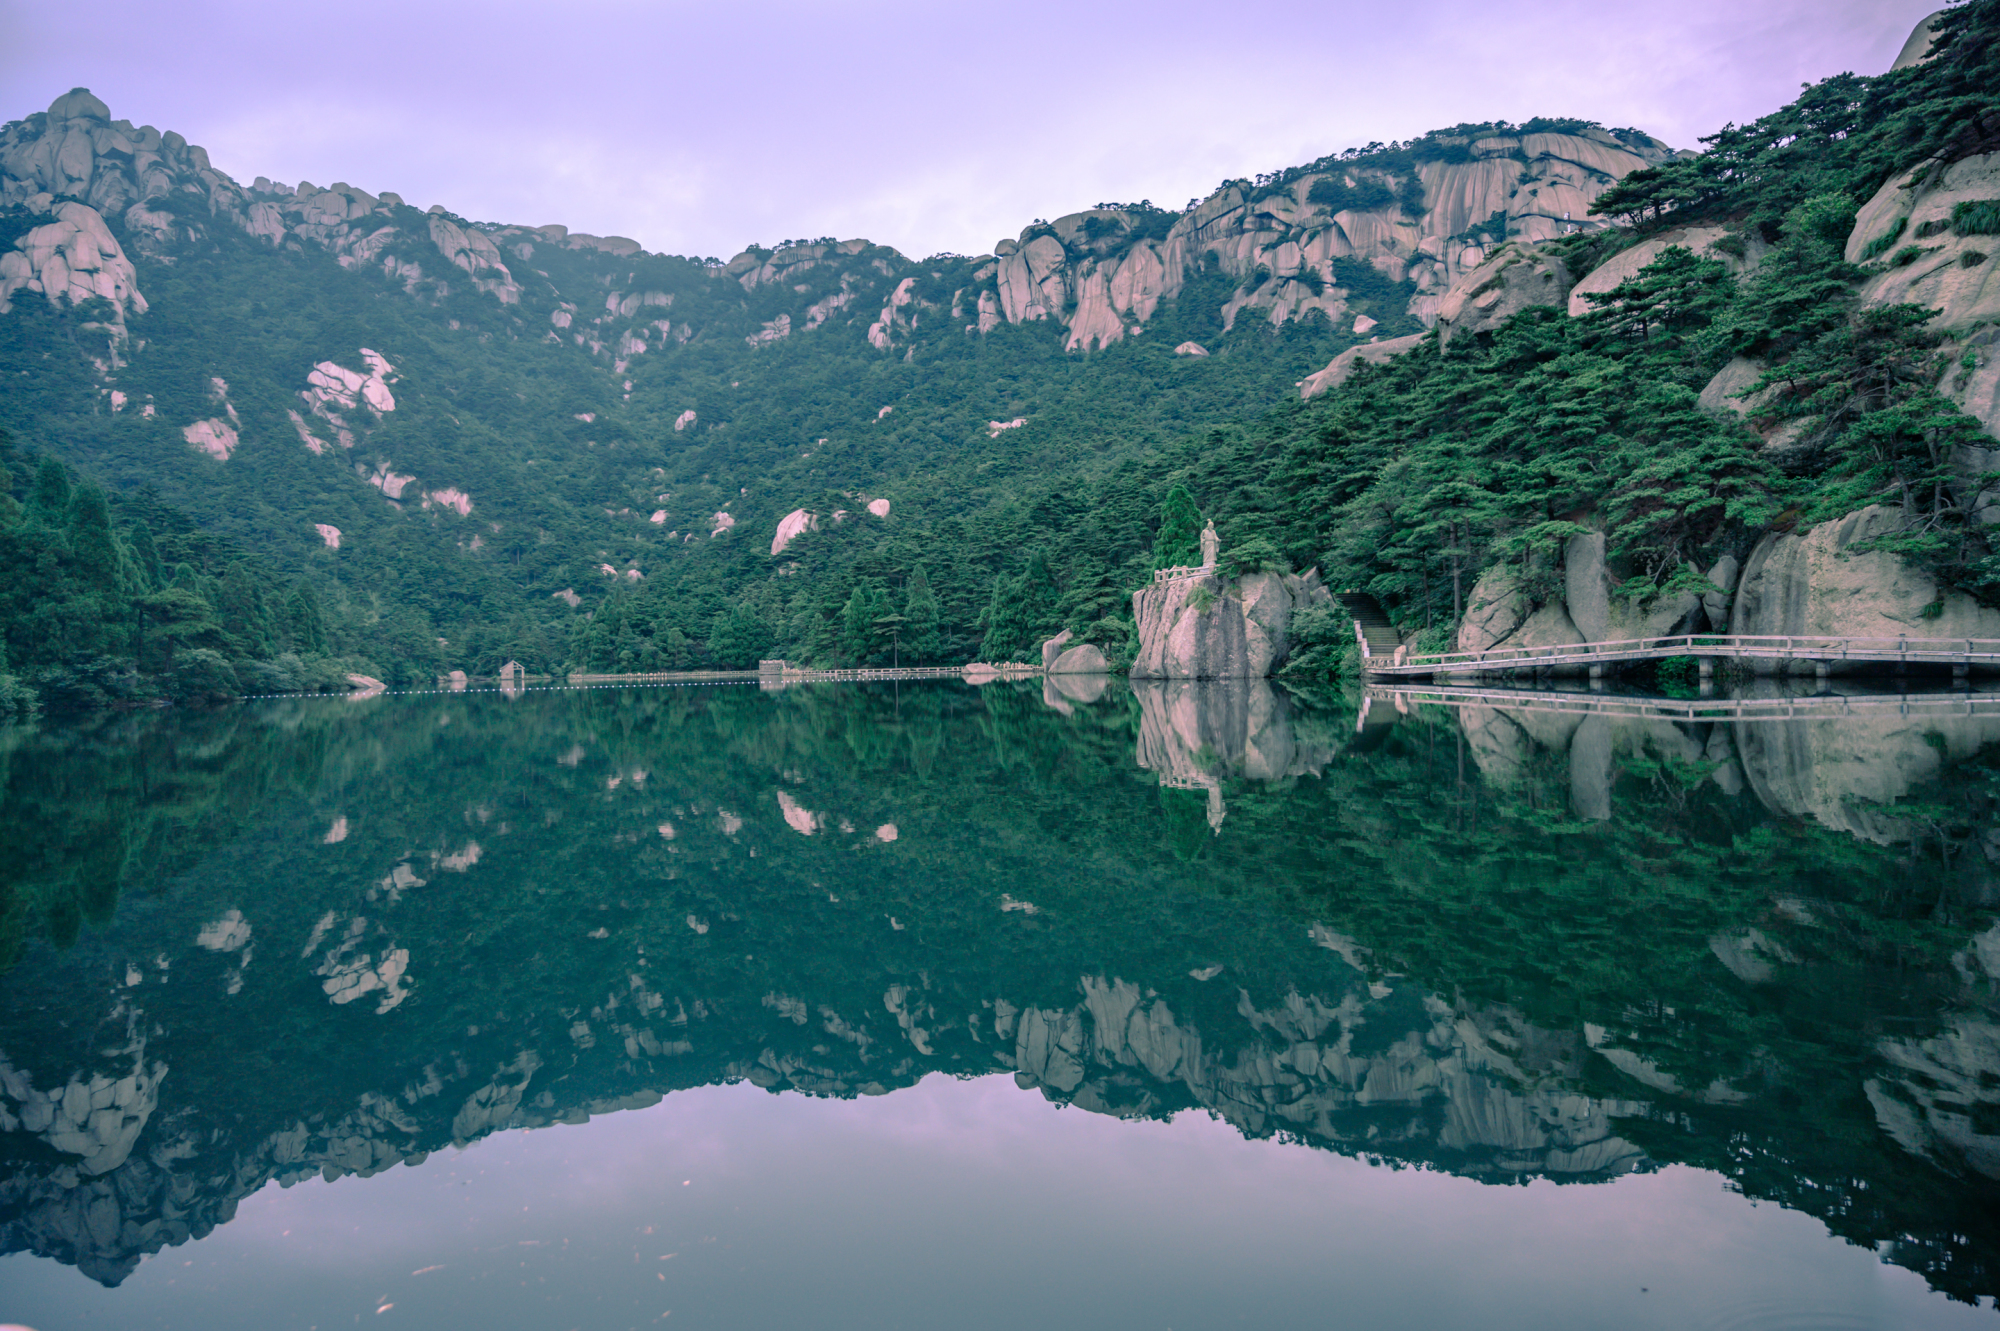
(325, 938)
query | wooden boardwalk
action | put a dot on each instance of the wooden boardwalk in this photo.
(1960, 653)
(1780, 707)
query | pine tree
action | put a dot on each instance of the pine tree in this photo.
(1004, 628)
(1179, 539)
(920, 611)
(857, 624)
(739, 638)
(307, 625)
(50, 499)
(93, 547)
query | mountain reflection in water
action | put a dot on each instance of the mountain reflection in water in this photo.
(323, 938)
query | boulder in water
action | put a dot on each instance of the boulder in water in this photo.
(1082, 659)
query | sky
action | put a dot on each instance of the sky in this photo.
(698, 127)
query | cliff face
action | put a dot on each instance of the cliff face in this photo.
(1096, 274)
(1207, 627)
(1100, 274)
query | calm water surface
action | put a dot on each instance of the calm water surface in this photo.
(1176, 1007)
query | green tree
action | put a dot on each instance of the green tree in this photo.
(857, 624)
(50, 497)
(739, 638)
(1179, 538)
(92, 545)
(920, 615)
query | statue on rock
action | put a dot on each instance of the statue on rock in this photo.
(1211, 544)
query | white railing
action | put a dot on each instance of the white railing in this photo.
(1796, 647)
(1684, 709)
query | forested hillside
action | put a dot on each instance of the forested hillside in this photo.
(455, 442)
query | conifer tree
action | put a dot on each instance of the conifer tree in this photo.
(50, 499)
(93, 547)
(857, 625)
(920, 610)
(1179, 539)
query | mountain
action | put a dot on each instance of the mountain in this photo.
(487, 422)
(458, 442)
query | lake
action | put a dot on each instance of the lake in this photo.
(1049, 1004)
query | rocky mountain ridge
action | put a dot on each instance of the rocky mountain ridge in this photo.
(1099, 274)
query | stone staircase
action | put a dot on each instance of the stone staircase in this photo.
(1371, 623)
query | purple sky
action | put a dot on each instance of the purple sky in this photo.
(699, 127)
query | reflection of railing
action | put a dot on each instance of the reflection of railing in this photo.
(1762, 647)
(1172, 782)
(1782, 708)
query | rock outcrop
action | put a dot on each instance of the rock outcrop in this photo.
(1936, 250)
(1102, 276)
(1499, 613)
(71, 259)
(1816, 583)
(1628, 263)
(1200, 627)
(1590, 593)
(1515, 278)
(1082, 659)
(1342, 367)
(1847, 773)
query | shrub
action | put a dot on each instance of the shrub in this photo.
(1879, 246)
(204, 676)
(1335, 195)
(1976, 217)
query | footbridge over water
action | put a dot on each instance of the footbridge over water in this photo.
(1384, 655)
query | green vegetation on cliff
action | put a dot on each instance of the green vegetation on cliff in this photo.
(579, 458)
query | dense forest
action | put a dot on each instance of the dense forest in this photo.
(961, 497)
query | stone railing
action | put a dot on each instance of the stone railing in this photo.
(1179, 571)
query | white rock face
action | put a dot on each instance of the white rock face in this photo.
(388, 481)
(72, 258)
(722, 523)
(776, 329)
(477, 255)
(790, 527)
(226, 933)
(329, 385)
(1190, 349)
(879, 507)
(96, 1118)
(1242, 632)
(1514, 278)
(993, 428)
(1342, 367)
(1813, 584)
(1085, 271)
(1958, 276)
(1600, 615)
(458, 501)
(1628, 263)
(882, 332)
(685, 419)
(215, 437)
(800, 819)
(1918, 48)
